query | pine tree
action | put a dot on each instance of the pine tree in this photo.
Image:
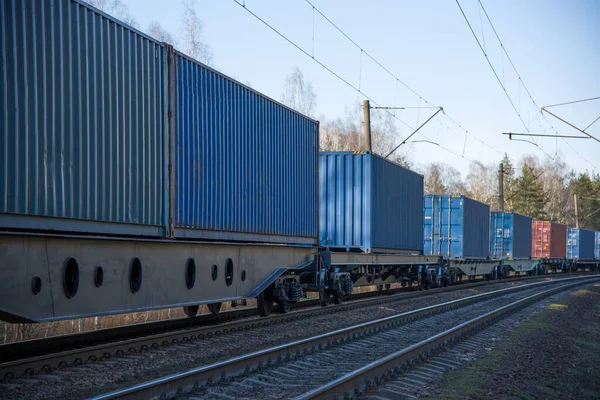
(529, 197)
(588, 204)
(509, 183)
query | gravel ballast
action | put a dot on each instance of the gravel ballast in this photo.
(102, 376)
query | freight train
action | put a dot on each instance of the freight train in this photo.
(134, 178)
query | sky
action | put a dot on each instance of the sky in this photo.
(427, 45)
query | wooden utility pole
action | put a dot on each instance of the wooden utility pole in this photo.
(576, 216)
(501, 187)
(367, 112)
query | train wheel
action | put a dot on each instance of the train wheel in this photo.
(214, 308)
(323, 297)
(284, 306)
(191, 311)
(264, 306)
(338, 298)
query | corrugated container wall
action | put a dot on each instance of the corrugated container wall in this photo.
(369, 204)
(246, 166)
(580, 244)
(548, 239)
(510, 235)
(82, 118)
(597, 246)
(456, 227)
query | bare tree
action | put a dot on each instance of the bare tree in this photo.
(159, 33)
(433, 180)
(559, 200)
(443, 179)
(192, 33)
(298, 94)
(482, 182)
(116, 8)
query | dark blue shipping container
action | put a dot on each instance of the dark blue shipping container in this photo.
(88, 139)
(456, 227)
(369, 204)
(597, 246)
(82, 122)
(246, 167)
(580, 244)
(510, 235)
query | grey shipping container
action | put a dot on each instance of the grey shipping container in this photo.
(369, 204)
(82, 122)
(246, 167)
(510, 235)
(456, 227)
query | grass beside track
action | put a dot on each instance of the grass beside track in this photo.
(553, 355)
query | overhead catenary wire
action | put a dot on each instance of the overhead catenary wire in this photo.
(573, 102)
(387, 70)
(345, 81)
(522, 83)
(492, 67)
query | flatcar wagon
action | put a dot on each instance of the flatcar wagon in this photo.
(133, 177)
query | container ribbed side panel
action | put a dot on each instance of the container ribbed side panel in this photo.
(597, 246)
(397, 207)
(456, 227)
(558, 240)
(510, 235)
(81, 117)
(580, 244)
(245, 164)
(476, 228)
(369, 204)
(345, 206)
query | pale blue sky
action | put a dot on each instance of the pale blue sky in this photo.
(554, 44)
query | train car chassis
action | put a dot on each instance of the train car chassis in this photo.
(336, 274)
(52, 277)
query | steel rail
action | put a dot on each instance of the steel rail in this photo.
(26, 358)
(224, 371)
(388, 367)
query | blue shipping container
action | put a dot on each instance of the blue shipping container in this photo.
(369, 204)
(82, 121)
(246, 167)
(580, 244)
(456, 227)
(510, 235)
(597, 246)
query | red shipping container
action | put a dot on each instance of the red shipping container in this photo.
(548, 239)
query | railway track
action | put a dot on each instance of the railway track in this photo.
(350, 360)
(59, 352)
(30, 357)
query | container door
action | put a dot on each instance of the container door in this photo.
(496, 234)
(507, 235)
(430, 227)
(572, 243)
(451, 226)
